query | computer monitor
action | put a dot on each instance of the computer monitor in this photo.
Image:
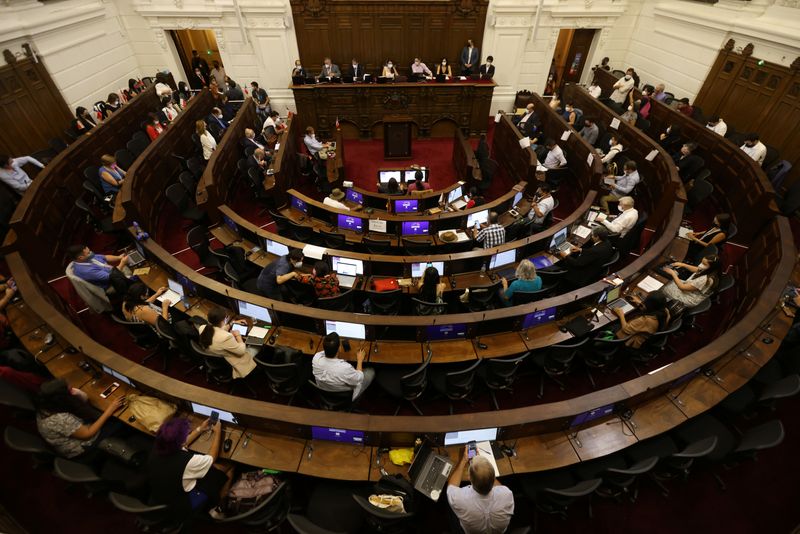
(613, 293)
(337, 434)
(539, 317)
(259, 313)
(406, 206)
(559, 237)
(438, 332)
(503, 258)
(201, 409)
(117, 375)
(418, 269)
(414, 228)
(189, 287)
(351, 330)
(348, 222)
(385, 176)
(479, 217)
(299, 205)
(140, 248)
(354, 196)
(409, 175)
(279, 249)
(175, 286)
(591, 415)
(454, 195)
(347, 266)
(540, 262)
(465, 436)
(230, 224)
(517, 199)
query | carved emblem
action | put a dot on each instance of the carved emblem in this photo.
(748, 50)
(795, 64)
(395, 101)
(729, 45)
(466, 7)
(314, 7)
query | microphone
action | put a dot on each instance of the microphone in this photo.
(48, 340)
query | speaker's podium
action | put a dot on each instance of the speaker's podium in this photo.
(397, 137)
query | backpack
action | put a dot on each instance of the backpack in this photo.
(251, 488)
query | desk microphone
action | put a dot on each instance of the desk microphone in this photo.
(48, 340)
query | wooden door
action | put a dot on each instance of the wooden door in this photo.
(577, 55)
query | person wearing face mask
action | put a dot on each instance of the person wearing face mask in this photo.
(100, 270)
(590, 131)
(389, 70)
(688, 163)
(623, 185)
(198, 80)
(614, 148)
(543, 203)
(198, 63)
(584, 265)
(356, 70)
(111, 175)
(312, 143)
(685, 108)
(325, 282)
(443, 68)
(278, 273)
(487, 69)
(622, 88)
(329, 69)
(470, 56)
(137, 307)
(216, 118)
(630, 116)
(262, 100)
(625, 221)
(83, 121)
(418, 68)
(754, 148)
(595, 90)
(717, 125)
(716, 235)
(695, 289)
(298, 69)
(154, 127)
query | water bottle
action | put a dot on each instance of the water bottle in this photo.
(483, 269)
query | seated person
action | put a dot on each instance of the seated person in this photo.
(216, 337)
(623, 184)
(429, 289)
(95, 268)
(487, 69)
(754, 148)
(13, 175)
(700, 284)
(654, 317)
(259, 160)
(659, 94)
(671, 137)
(685, 108)
(644, 105)
(324, 281)
(625, 221)
(330, 69)
(614, 148)
(584, 265)
(298, 69)
(136, 305)
(112, 103)
(162, 85)
(687, 162)
(389, 70)
(334, 374)
(392, 187)
(526, 280)
(235, 92)
(170, 109)
(279, 272)
(250, 139)
(420, 68)
(483, 507)
(187, 482)
(543, 203)
(311, 142)
(475, 198)
(83, 121)
(595, 90)
(590, 131)
(418, 184)
(717, 125)
(58, 410)
(334, 200)
(716, 235)
(492, 234)
(630, 116)
(273, 127)
(215, 117)
(528, 123)
(356, 70)
(570, 114)
(154, 127)
(444, 68)
(555, 156)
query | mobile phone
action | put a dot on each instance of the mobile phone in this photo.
(214, 418)
(109, 390)
(472, 450)
(11, 283)
(346, 345)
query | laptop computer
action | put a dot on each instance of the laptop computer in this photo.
(298, 80)
(347, 271)
(559, 243)
(429, 472)
(135, 258)
(626, 306)
(441, 78)
(255, 336)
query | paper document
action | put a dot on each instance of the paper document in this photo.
(590, 159)
(541, 168)
(277, 147)
(582, 232)
(652, 155)
(609, 181)
(497, 117)
(258, 332)
(141, 271)
(485, 450)
(525, 142)
(649, 284)
(615, 123)
(565, 135)
(377, 225)
(314, 252)
(682, 231)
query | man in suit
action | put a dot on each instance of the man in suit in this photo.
(527, 123)
(250, 139)
(584, 265)
(687, 162)
(356, 70)
(198, 80)
(298, 69)
(330, 69)
(217, 119)
(487, 69)
(470, 55)
(200, 63)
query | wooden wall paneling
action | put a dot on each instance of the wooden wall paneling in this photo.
(519, 163)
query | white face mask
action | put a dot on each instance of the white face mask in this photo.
(355, 64)
(620, 208)
(298, 264)
(627, 76)
(389, 65)
(444, 62)
(488, 62)
(298, 66)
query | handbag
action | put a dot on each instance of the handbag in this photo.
(386, 284)
(251, 488)
(390, 503)
(150, 412)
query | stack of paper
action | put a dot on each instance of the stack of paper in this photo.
(682, 231)
(649, 284)
(485, 450)
(314, 252)
(582, 232)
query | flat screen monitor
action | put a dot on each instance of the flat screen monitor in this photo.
(438, 332)
(201, 409)
(118, 376)
(175, 286)
(540, 262)
(409, 175)
(230, 224)
(279, 249)
(259, 313)
(406, 206)
(591, 415)
(414, 228)
(559, 238)
(354, 196)
(189, 287)
(348, 222)
(503, 258)
(517, 199)
(299, 205)
(347, 266)
(337, 434)
(418, 269)
(385, 176)
(351, 330)
(140, 248)
(465, 436)
(479, 217)
(454, 195)
(539, 317)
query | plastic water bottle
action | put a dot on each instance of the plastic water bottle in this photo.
(483, 269)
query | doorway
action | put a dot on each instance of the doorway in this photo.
(204, 41)
(569, 58)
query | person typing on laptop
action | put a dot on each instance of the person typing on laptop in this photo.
(654, 317)
(584, 265)
(483, 507)
(216, 337)
(334, 374)
(325, 282)
(137, 306)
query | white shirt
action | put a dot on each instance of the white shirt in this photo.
(595, 91)
(758, 152)
(623, 223)
(16, 178)
(621, 90)
(525, 117)
(170, 113)
(195, 469)
(209, 144)
(482, 514)
(163, 89)
(328, 201)
(312, 144)
(545, 206)
(612, 153)
(267, 123)
(555, 158)
(333, 374)
(721, 128)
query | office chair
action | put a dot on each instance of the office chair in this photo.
(699, 192)
(747, 399)
(58, 145)
(525, 297)
(602, 355)
(169, 343)
(385, 302)
(281, 223)
(97, 195)
(483, 298)
(283, 379)
(15, 398)
(185, 205)
(343, 302)
(377, 246)
(428, 308)
(267, 514)
(557, 501)
(333, 240)
(379, 520)
(557, 361)
(140, 332)
(217, 369)
(124, 158)
(631, 241)
(624, 482)
(456, 385)
(197, 239)
(77, 473)
(333, 400)
(256, 180)
(403, 385)
(726, 281)
(302, 233)
(188, 181)
(690, 314)
(415, 247)
(300, 293)
(614, 259)
(249, 150)
(196, 166)
(137, 145)
(148, 516)
(653, 346)
(100, 223)
(499, 374)
(92, 172)
(22, 441)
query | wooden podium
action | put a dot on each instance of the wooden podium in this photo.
(397, 137)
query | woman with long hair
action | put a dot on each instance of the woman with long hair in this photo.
(700, 285)
(136, 305)
(430, 289)
(207, 140)
(716, 235)
(654, 317)
(216, 337)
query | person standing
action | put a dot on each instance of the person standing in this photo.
(470, 55)
(278, 273)
(483, 507)
(200, 63)
(218, 73)
(622, 88)
(13, 176)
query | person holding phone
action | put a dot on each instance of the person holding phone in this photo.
(216, 336)
(334, 374)
(188, 483)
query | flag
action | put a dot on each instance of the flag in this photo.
(337, 122)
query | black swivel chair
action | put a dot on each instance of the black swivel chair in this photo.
(557, 361)
(281, 223)
(333, 240)
(602, 355)
(499, 374)
(379, 520)
(337, 401)
(428, 308)
(196, 166)
(136, 146)
(385, 302)
(405, 385)
(377, 246)
(15, 398)
(483, 297)
(187, 180)
(141, 333)
(701, 190)
(456, 385)
(555, 501)
(265, 516)
(22, 441)
(262, 196)
(621, 482)
(300, 293)
(302, 233)
(525, 297)
(415, 247)
(96, 192)
(631, 241)
(653, 346)
(185, 205)
(99, 222)
(148, 517)
(343, 302)
(124, 158)
(283, 379)
(197, 239)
